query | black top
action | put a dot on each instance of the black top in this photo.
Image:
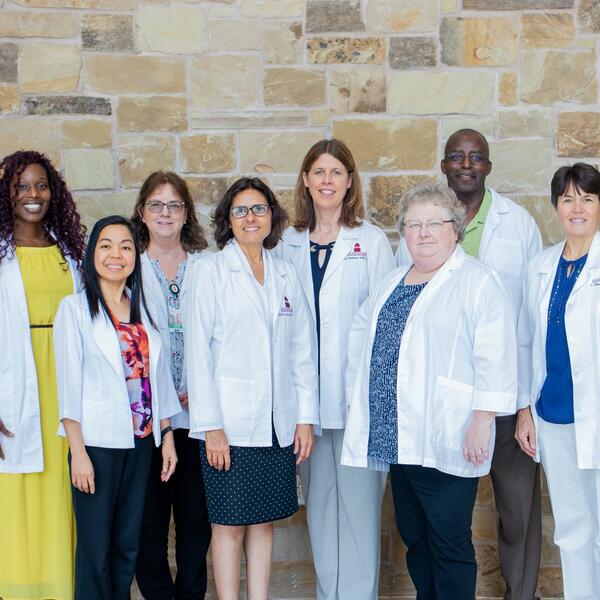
(318, 272)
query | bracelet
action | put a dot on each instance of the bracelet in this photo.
(165, 431)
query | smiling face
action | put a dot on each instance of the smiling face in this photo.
(327, 181)
(429, 248)
(466, 176)
(31, 195)
(578, 213)
(164, 224)
(114, 255)
(250, 230)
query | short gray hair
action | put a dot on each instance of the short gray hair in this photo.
(434, 192)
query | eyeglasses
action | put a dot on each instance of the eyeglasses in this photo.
(430, 224)
(156, 206)
(474, 157)
(259, 210)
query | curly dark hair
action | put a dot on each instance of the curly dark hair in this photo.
(192, 234)
(62, 223)
(221, 217)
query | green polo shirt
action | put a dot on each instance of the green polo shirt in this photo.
(475, 228)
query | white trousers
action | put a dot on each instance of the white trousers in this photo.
(344, 521)
(575, 498)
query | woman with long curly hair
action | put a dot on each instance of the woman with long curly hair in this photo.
(42, 244)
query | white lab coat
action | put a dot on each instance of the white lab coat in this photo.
(509, 240)
(157, 306)
(91, 381)
(457, 354)
(236, 381)
(19, 399)
(361, 257)
(582, 323)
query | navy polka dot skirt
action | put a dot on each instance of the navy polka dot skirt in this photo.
(259, 487)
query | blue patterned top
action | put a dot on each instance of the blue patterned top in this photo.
(173, 310)
(383, 375)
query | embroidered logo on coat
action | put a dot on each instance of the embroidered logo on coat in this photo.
(356, 253)
(286, 308)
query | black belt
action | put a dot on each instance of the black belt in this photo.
(40, 326)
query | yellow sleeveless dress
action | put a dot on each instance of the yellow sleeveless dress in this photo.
(37, 528)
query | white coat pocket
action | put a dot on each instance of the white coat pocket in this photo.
(506, 255)
(453, 409)
(238, 399)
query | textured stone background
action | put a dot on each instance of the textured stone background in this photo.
(113, 89)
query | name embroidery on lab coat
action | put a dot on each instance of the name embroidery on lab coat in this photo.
(356, 253)
(595, 282)
(286, 309)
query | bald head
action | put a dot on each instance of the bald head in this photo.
(466, 132)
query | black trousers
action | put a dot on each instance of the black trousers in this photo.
(184, 492)
(109, 521)
(433, 513)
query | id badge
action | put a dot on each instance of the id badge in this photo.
(175, 323)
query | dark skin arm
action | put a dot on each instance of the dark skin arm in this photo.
(4, 431)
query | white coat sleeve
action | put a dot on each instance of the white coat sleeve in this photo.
(303, 358)
(382, 261)
(525, 341)
(201, 307)
(68, 356)
(494, 348)
(403, 256)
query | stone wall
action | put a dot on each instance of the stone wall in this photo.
(113, 89)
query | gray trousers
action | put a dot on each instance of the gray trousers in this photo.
(516, 482)
(344, 521)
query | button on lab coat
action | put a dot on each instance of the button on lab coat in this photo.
(19, 398)
(361, 257)
(91, 380)
(582, 324)
(233, 383)
(457, 355)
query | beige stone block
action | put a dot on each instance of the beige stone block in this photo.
(9, 98)
(152, 113)
(283, 42)
(550, 582)
(588, 15)
(93, 206)
(578, 134)
(412, 52)
(547, 30)
(95, 4)
(485, 492)
(369, 50)
(507, 88)
(450, 124)
(477, 42)
(516, 4)
(491, 585)
(334, 15)
(520, 165)
(541, 209)
(107, 32)
(530, 123)
(208, 153)
(389, 144)
(285, 85)
(402, 15)
(122, 74)
(24, 24)
(225, 81)
(9, 66)
(141, 155)
(449, 6)
(28, 132)
(544, 77)
(207, 191)
(275, 151)
(49, 68)
(222, 12)
(355, 89)
(248, 119)
(385, 192)
(428, 92)
(319, 116)
(484, 524)
(271, 9)
(170, 29)
(235, 34)
(86, 133)
(89, 169)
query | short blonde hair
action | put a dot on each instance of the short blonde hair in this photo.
(434, 192)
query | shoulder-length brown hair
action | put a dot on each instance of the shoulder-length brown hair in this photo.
(353, 211)
(192, 234)
(221, 217)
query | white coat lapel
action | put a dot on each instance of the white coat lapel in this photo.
(13, 284)
(240, 275)
(154, 342)
(343, 245)
(105, 337)
(497, 208)
(300, 244)
(546, 274)
(591, 269)
(279, 301)
(153, 292)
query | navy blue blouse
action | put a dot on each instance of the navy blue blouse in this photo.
(555, 404)
(383, 374)
(318, 272)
